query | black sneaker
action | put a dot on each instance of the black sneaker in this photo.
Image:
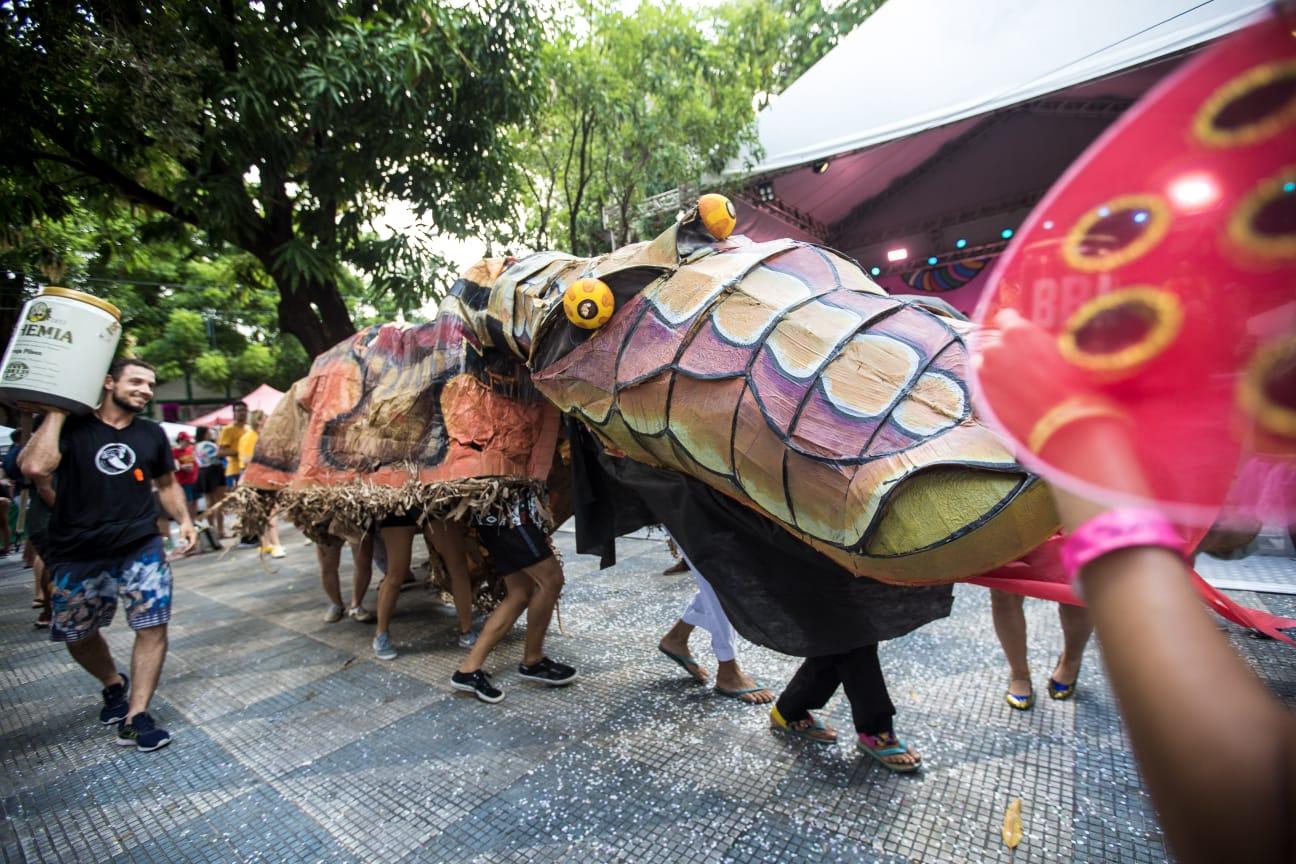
(116, 702)
(142, 733)
(477, 682)
(549, 672)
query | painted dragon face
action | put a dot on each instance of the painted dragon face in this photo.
(781, 375)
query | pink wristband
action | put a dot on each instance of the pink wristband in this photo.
(1122, 528)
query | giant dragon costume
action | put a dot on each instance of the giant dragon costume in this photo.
(774, 382)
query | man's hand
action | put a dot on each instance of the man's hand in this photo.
(188, 538)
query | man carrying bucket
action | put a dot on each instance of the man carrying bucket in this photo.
(103, 540)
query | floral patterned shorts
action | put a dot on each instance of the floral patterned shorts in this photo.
(85, 592)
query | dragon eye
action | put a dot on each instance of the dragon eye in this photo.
(717, 214)
(588, 303)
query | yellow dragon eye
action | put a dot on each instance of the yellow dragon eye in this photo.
(717, 214)
(588, 303)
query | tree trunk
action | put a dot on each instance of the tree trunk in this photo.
(12, 296)
(315, 313)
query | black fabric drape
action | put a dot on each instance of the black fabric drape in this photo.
(777, 591)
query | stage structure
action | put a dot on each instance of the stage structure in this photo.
(919, 144)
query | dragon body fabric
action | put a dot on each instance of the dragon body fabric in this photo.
(401, 418)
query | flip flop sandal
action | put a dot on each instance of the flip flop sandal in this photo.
(811, 728)
(688, 664)
(738, 694)
(899, 748)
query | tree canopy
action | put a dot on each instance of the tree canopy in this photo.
(280, 128)
(219, 170)
(636, 103)
(194, 311)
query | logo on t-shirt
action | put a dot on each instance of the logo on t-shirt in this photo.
(206, 453)
(115, 458)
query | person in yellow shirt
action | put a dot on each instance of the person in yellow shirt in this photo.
(227, 445)
(227, 448)
(246, 447)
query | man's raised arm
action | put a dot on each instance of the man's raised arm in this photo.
(41, 457)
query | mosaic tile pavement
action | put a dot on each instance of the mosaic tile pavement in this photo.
(293, 744)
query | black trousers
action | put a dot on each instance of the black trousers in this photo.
(859, 671)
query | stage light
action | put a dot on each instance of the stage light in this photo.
(931, 260)
(820, 167)
(1006, 233)
(1048, 224)
(1289, 187)
(876, 271)
(960, 243)
(1140, 216)
(897, 254)
(1193, 191)
(765, 191)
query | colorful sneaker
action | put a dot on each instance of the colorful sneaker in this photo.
(142, 733)
(548, 672)
(333, 614)
(382, 646)
(478, 683)
(361, 614)
(274, 551)
(116, 699)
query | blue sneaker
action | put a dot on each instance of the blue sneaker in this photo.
(116, 702)
(382, 647)
(142, 733)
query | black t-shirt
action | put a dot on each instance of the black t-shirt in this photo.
(104, 503)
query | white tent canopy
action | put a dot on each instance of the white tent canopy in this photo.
(174, 429)
(919, 64)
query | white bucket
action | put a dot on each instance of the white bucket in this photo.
(61, 351)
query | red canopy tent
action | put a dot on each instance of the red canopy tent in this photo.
(264, 398)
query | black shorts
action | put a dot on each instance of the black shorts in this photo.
(40, 543)
(513, 547)
(409, 519)
(210, 479)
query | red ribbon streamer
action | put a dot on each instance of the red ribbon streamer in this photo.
(1040, 575)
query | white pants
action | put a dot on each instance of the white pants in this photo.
(705, 612)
